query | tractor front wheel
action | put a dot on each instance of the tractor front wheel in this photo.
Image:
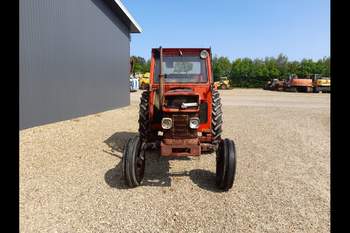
(133, 162)
(225, 164)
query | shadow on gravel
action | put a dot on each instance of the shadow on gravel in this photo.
(117, 141)
(156, 173)
(204, 179)
(157, 168)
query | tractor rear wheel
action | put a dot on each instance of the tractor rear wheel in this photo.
(133, 162)
(216, 117)
(144, 116)
(225, 164)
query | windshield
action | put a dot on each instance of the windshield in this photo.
(183, 69)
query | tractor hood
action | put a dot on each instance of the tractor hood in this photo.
(180, 91)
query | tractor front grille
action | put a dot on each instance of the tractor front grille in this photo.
(180, 127)
(180, 123)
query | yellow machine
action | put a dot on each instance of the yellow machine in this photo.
(144, 81)
(223, 83)
(321, 84)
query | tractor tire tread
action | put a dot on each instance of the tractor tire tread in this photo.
(216, 116)
(144, 115)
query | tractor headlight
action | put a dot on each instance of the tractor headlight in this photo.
(167, 123)
(194, 122)
(204, 54)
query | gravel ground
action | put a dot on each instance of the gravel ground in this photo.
(70, 173)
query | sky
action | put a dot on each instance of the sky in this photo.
(234, 28)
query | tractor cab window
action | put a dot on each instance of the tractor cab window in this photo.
(182, 69)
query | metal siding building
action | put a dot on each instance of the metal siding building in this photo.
(74, 58)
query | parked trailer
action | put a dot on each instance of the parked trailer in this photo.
(296, 84)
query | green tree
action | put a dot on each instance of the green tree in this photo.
(326, 66)
(307, 67)
(293, 67)
(221, 67)
(139, 64)
(138, 68)
(243, 73)
(260, 68)
(236, 68)
(271, 64)
(246, 67)
(282, 64)
(146, 67)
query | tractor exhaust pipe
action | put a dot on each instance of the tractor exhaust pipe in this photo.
(161, 80)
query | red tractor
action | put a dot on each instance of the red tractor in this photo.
(180, 115)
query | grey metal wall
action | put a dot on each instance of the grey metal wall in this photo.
(74, 60)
